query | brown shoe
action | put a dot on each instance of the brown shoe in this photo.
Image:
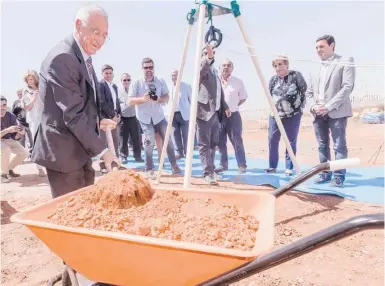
(176, 169)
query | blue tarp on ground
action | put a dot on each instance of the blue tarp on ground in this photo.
(373, 118)
(364, 184)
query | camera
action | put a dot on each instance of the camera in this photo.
(152, 91)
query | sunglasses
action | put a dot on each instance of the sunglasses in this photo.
(148, 68)
(127, 80)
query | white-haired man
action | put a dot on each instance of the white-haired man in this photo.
(68, 133)
(235, 95)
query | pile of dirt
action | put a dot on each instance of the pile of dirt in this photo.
(110, 206)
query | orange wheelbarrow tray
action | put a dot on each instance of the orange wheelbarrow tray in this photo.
(123, 259)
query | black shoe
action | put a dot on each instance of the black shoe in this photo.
(140, 160)
(337, 182)
(12, 174)
(324, 178)
(271, 170)
(220, 169)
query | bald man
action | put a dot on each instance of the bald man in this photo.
(181, 115)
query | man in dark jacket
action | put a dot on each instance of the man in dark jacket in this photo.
(211, 108)
(67, 136)
(110, 107)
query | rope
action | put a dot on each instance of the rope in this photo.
(298, 58)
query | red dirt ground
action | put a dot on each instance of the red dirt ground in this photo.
(356, 260)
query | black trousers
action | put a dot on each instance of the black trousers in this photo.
(64, 183)
(208, 140)
(130, 129)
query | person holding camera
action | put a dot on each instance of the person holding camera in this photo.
(11, 132)
(148, 94)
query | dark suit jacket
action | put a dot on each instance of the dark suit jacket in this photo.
(207, 95)
(106, 101)
(67, 136)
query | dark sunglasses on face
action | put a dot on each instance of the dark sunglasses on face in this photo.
(127, 80)
(148, 68)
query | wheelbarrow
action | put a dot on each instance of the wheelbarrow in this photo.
(122, 259)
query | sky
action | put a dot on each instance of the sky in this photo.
(157, 29)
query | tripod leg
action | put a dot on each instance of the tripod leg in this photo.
(194, 99)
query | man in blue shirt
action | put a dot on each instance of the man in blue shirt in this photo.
(180, 122)
(148, 94)
(11, 132)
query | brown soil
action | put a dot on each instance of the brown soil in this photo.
(355, 260)
(167, 215)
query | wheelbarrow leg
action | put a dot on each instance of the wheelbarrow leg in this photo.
(67, 278)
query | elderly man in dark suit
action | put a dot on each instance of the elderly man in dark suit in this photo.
(68, 133)
(110, 107)
(211, 108)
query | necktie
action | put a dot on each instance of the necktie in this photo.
(90, 70)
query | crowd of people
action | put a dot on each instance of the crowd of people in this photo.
(63, 111)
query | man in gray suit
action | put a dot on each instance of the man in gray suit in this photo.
(211, 108)
(67, 137)
(330, 91)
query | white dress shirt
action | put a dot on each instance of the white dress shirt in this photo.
(234, 91)
(184, 103)
(219, 85)
(113, 94)
(85, 57)
(322, 79)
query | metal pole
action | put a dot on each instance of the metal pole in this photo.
(175, 100)
(265, 88)
(194, 99)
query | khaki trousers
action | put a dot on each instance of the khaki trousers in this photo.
(8, 147)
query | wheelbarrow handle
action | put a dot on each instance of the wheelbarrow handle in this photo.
(300, 247)
(328, 166)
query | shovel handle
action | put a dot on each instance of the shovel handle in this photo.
(111, 147)
(110, 141)
(300, 247)
(327, 166)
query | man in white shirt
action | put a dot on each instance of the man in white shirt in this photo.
(235, 95)
(180, 122)
(129, 124)
(110, 108)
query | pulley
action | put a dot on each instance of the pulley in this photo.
(213, 37)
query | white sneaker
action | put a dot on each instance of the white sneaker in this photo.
(288, 172)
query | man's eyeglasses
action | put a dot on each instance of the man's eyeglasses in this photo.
(126, 80)
(148, 68)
